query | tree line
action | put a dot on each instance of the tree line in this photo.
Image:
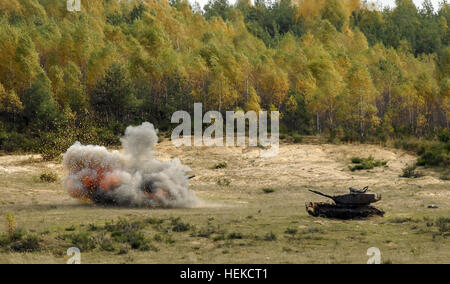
(342, 68)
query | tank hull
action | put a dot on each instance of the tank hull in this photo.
(327, 210)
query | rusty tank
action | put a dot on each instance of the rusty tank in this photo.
(354, 205)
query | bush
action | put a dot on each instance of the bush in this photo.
(125, 231)
(410, 172)
(365, 163)
(49, 177)
(444, 136)
(291, 231)
(154, 221)
(107, 246)
(435, 154)
(123, 225)
(445, 175)
(137, 240)
(178, 226)
(357, 160)
(235, 236)
(204, 233)
(12, 142)
(297, 138)
(443, 224)
(83, 241)
(222, 165)
(28, 244)
(107, 137)
(268, 190)
(408, 144)
(53, 144)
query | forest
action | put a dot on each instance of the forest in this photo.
(340, 68)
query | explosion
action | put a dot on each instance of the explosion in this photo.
(129, 178)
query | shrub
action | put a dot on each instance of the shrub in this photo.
(83, 241)
(204, 233)
(53, 144)
(445, 175)
(11, 142)
(219, 237)
(49, 177)
(154, 221)
(408, 144)
(7, 239)
(235, 236)
(178, 226)
(4, 240)
(49, 154)
(365, 163)
(297, 138)
(124, 226)
(410, 172)
(28, 244)
(435, 154)
(148, 247)
(137, 240)
(107, 137)
(104, 242)
(268, 190)
(444, 136)
(222, 165)
(291, 231)
(357, 160)
(443, 224)
(158, 238)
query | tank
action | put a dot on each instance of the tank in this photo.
(354, 205)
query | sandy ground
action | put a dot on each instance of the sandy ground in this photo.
(306, 166)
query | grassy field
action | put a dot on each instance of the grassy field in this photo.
(252, 211)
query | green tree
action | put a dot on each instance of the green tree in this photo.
(40, 109)
(113, 95)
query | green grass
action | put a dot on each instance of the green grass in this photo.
(365, 163)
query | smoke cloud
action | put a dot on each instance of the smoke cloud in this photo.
(129, 178)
